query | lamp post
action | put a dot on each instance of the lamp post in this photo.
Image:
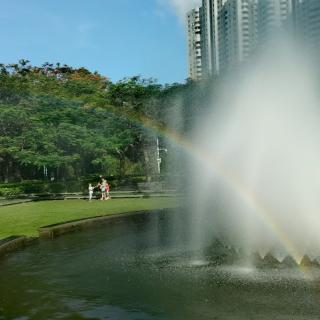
(45, 172)
(158, 155)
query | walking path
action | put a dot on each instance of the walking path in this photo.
(8, 202)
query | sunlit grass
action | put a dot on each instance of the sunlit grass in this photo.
(27, 218)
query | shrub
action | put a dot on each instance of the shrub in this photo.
(57, 187)
(33, 187)
(10, 193)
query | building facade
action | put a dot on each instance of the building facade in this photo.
(210, 42)
(224, 33)
(272, 16)
(228, 34)
(236, 32)
(194, 43)
(306, 17)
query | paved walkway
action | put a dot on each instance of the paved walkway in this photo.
(9, 202)
(70, 196)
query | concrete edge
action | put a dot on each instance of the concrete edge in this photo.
(13, 243)
(55, 230)
(15, 202)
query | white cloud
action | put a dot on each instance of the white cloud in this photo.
(181, 7)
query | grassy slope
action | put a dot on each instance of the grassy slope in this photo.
(26, 218)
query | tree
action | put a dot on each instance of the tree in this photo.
(75, 122)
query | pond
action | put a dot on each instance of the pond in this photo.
(142, 269)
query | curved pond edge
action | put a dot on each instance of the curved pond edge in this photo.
(14, 243)
(58, 229)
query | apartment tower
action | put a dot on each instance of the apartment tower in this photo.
(194, 43)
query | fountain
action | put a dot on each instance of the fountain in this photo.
(258, 173)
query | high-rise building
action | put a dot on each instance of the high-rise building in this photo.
(306, 17)
(228, 33)
(210, 45)
(272, 16)
(232, 30)
(236, 32)
(194, 43)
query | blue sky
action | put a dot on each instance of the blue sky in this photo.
(118, 38)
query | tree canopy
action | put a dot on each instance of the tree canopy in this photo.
(67, 122)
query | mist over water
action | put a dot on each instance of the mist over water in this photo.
(257, 185)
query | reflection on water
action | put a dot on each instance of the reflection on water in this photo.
(144, 270)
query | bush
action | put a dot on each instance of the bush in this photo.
(74, 186)
(10, 193)
(33, 187)
(129, 182)
(57, 187)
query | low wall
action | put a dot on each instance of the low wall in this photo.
(71, 226)
(14, 243)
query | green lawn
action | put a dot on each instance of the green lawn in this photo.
(26, 218)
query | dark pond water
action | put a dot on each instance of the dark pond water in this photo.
(141, 270)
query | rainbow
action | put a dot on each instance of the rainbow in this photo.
(248, 196)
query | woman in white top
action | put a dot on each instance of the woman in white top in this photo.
(103, 189)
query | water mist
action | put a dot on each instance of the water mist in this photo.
(256, 183)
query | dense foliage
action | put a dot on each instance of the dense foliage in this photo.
(65, 123)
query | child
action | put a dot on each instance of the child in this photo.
(108, 190)
(90, 188)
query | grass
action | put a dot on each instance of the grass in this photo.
(27, 218)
